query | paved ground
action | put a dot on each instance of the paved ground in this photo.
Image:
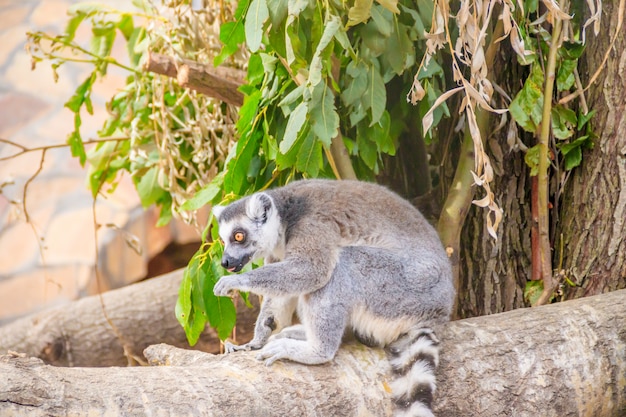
(59, 205)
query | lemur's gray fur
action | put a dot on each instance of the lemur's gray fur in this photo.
(348, 255)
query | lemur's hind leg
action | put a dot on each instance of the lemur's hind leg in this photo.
(324, 321)
(276, 313)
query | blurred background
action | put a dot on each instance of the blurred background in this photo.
(50, 259)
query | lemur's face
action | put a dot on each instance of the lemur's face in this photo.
(249, 229)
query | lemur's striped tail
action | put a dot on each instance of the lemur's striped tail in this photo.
(413, 357)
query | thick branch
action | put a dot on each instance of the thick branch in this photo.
(562, 360)
(218, 82)
(77, 334)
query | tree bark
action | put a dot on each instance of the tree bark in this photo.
(566, 359)
(594, 202)
(494, 272)
(78, 334)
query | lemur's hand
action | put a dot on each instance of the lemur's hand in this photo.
(229, 283)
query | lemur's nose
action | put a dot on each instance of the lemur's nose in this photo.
(229, 263)
(226, 262)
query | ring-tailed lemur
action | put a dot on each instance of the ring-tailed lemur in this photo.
(348, 255)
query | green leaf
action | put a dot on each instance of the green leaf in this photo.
(572, 152)
(102, 44)
(254, 168)
(380, 134)
(367, 151)
(309, 158)
(360, 12)
(295, 7)
(72, 25)
(432, 69)
(563, 122)
(383, 20)
(220, 311)
(292, 40)
(148, 187)
(533, 291)
(527, 106)
(190, 308)
(376, 94)
(324, 117)
(76, 144)
(331, 26)
(291, 98)
(573, 158)
(248, 112)
(82, 95)
(583, 119)
(572, 50)
(236, 177)
(255, 19)
(565, 75)
(531, 6)
(232, 34)
(184, 304)
(532, 160)
(374, 43)
(205, 195)
(135, 39)
(400, 50)
(278, 11)
(255, 70)
(165, 211)
(126, 25)
(104, 35)
(294, 124)
(356, 83)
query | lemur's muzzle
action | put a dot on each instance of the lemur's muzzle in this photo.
(232, 264)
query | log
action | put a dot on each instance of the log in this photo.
(78, 334)
(217, 82)
(566, 359)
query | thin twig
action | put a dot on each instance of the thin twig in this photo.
(543, 176)
(25, 150)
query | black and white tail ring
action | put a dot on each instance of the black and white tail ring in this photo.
(414, 357)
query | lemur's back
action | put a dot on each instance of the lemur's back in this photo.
(361, 213)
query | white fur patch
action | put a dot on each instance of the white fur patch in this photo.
(383, 331)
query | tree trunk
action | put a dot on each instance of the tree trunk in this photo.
(566, 359)
(78, 334)
(493, 273)
(594, 203)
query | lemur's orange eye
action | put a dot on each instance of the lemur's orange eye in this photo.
(239, 236)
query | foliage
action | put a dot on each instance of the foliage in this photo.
(566, 123)
(170, 140)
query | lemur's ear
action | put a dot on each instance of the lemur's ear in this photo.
(258, 207)
(217, 210)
